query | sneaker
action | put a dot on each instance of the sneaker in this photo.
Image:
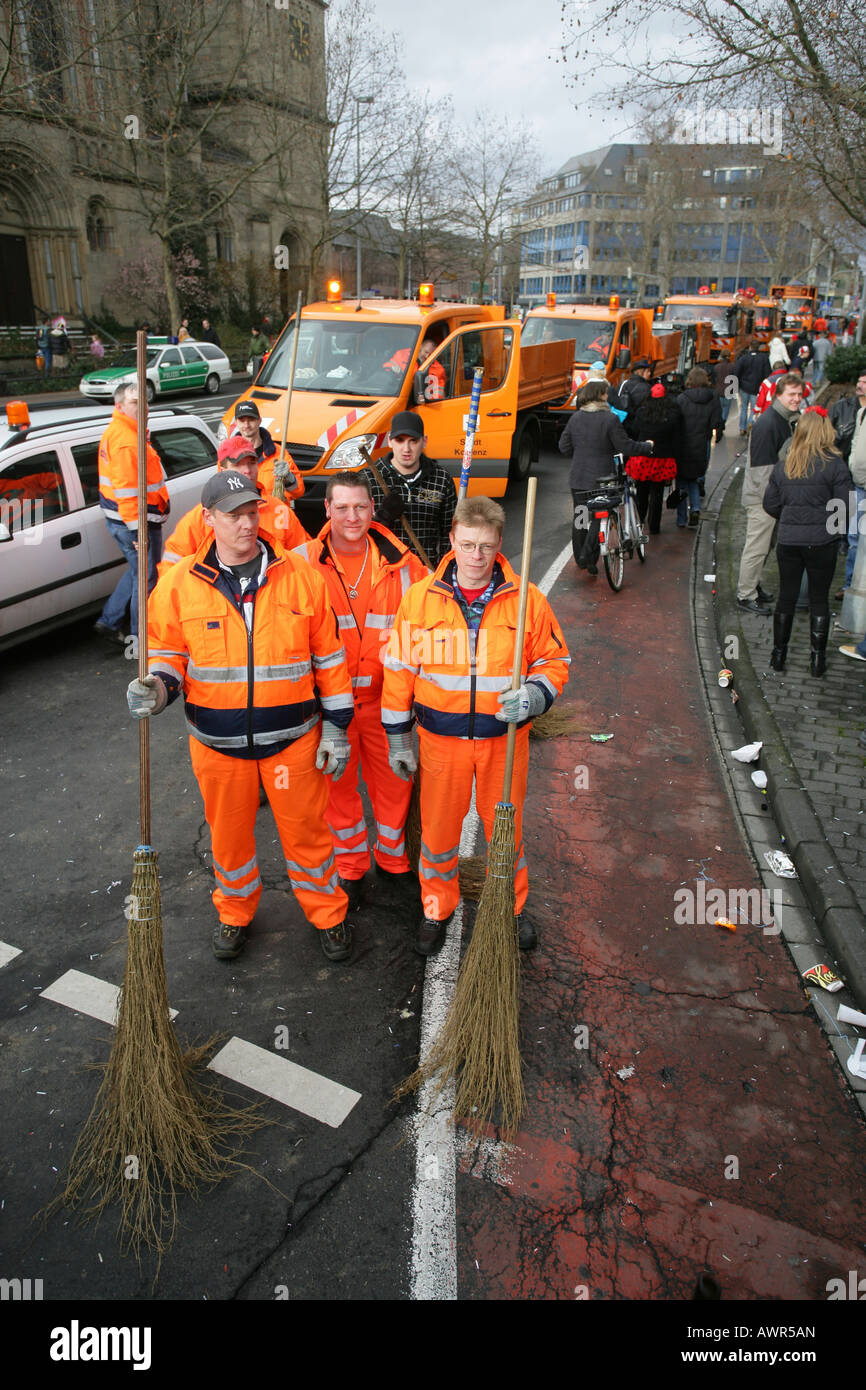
(527, 936)
(110, 634)
(228, 941)
(354, 890)
(336, 941)
(850, 650)
(431, 936)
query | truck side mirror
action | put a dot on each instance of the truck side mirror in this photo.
(623, 357)
(419, 382)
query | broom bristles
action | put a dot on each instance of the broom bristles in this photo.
(479, 1045)
(154, 1129)
(473, 876)
(556, 722)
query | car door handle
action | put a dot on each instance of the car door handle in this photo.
(70, 539)
(497, 414)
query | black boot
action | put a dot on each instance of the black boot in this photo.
(819, 628)
(782, 624)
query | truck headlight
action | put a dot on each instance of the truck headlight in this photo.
(349, 455)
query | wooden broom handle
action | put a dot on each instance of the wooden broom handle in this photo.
(531, 488)
(141, 597)
(279, 485)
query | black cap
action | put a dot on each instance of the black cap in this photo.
(247, 410)
(407, 422)
(226, 491)
(641, 364)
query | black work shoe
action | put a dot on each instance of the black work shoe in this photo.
(354, 890)
(764, 597)
(752, 605)
(110, 634)
(431, 936)
(527, 936)
(228, 941)
(337, 941)
(592, 569)
(694, 519)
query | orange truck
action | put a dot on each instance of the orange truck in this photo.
(799, 305)
(617, 337)
(769, 318)
(360, 363)
(731, 316)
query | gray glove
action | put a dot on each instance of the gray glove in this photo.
(333, 752)
(524, 703)
(146, 697)
(283, 470)
(401, 756)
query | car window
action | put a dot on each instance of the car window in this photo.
(170, 358)
(32, 490)
(183, 450)
(189, 354)
(87, 462)
(211, 352)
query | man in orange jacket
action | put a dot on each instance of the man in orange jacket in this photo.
(448, 664)
(248, 422)
(118, 498)
(367, 572)
(277, 520)
(245, 631)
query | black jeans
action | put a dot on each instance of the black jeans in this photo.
(648, 497)
(819, 562)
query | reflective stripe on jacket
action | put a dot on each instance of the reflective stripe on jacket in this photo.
(452, 683)
(394, 570)
(118, 475)
(249, 693)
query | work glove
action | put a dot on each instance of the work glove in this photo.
(524, 703)
(333, 752)
(146, 696)
(390, 509)
(283, 470)
(401, 756)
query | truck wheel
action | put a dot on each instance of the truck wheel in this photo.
(521, 459)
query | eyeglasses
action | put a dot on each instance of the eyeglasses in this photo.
(467, 548)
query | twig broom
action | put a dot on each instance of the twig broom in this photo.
(479, 1045)
(154, 1129)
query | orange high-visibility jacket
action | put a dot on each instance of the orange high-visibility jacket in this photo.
(277, 521)
(452, 683)
(118, 475)
(249, 692)
(394, 570)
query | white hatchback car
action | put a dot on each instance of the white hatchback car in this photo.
(58, 561)
(169, 367)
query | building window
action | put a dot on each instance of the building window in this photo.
(562, 284)
(225, 244)
(100, 236)
(631, 175)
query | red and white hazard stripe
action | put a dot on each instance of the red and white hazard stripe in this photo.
(333, 432)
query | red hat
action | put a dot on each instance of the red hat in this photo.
(233, 449)
(657, 390)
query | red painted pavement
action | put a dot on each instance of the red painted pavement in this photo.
(616, 1188)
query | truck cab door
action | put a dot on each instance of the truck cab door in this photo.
(444, 385)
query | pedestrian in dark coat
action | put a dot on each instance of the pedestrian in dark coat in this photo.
(808, 493)
(592, 436)
(701, 415)
(632, 391)
(658, 419)
(750, 369)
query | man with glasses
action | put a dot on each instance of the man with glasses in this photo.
(448, 665)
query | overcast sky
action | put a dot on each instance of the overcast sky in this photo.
(501, 54)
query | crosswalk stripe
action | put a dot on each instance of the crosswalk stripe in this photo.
(285, 1081)
(87, 995)
(8, 953)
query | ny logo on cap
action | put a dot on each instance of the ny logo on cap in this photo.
(235, 484)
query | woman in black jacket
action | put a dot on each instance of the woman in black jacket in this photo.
(659, 418)
(809, 477)
(701, 414)
(592, 436)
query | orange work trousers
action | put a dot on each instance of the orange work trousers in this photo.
(298, 794)
(389, 796)
(448, 766)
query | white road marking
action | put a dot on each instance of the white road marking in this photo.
(87, 995)
(434, 1219)
(285, 1081)
(8, 953)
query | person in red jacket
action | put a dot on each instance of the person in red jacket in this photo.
(118, 498)
(245, 632)
(367, 571)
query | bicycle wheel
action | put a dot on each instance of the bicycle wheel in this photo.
(635, 527)
(614, 560)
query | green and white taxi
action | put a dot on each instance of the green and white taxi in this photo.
(169, 367)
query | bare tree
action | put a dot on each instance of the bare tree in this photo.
(417, 203)
(490, 167)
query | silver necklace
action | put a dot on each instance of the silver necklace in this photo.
(353, 588)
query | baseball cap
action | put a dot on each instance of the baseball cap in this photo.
(407, 422)
(641, 364)
(233, 449)
(247, 410)
(227, 491)
(597, 366)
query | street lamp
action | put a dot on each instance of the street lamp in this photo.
(359, 102)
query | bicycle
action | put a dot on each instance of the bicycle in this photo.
(620, 531)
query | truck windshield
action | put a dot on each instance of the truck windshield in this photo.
(694, 313)
(352, 358)
(591, 338)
